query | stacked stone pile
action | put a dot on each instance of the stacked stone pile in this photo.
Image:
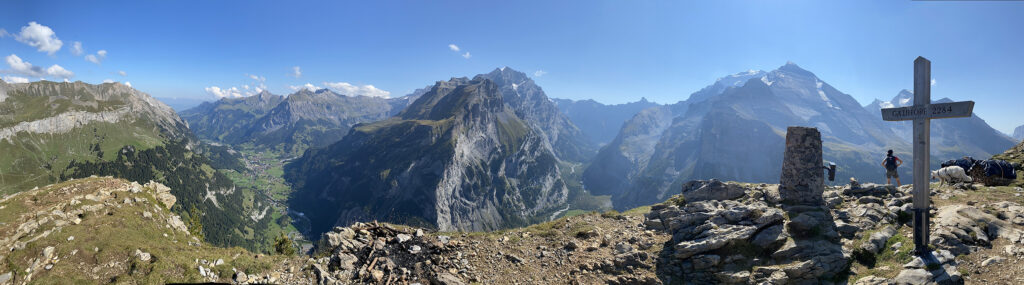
(380, 253)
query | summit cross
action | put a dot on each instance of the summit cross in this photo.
(922, 112)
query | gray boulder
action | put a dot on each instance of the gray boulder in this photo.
(704, 190)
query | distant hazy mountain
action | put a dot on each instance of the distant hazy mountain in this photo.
(531, 104)
(599, 122)
(459, 158)
(183, 103)
(228, 119)
(289, 124)
(1018, 133)
(52, 131)
(950, 138)
(737, 134)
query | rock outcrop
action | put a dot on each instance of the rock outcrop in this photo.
(376, 253)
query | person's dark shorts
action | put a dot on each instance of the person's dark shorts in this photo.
(892, 174)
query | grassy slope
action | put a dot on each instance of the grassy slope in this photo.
(105, 241)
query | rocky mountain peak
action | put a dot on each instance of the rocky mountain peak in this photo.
(793, 68)
(506, 76)
(477, 97)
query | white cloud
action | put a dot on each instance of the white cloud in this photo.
(40, 37)
(466, 55)
(345, 88)
(933, 81)
(60, 72)
(3, 33)
(232, 92)
(245, 91)
(453, 47)
(100, 55)
(128, 83)
(15, 79)
(296, 72)
(307, 86)
(108, 81)
(539, 73)
(122, 73)
(256, 77)
(22, 67)
(76, 49)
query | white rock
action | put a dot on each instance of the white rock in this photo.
(48, 252)
(993, 260)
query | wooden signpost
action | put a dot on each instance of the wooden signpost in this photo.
(921, 113)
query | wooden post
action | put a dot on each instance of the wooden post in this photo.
(922, 136)
(922, 112)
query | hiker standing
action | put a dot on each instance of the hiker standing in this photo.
(891, 163)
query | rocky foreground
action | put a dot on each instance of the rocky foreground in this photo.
(101, 230)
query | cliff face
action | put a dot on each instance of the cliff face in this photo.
(458, 158)
(532, 105)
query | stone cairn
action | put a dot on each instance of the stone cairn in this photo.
(803, 181)
(740, 234)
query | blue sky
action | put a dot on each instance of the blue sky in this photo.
(610, 51)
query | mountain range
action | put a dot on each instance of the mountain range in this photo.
(949, 137)
(288, 124)
(600, 122)
(459, 158)
(734, 130)
(57, 131)
(484, 153)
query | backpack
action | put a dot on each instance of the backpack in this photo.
(890, 162)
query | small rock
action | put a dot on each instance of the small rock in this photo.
(513, 258)
(143, 256)
(415, 249)
(48, 252)
(993, 260)
(913, 276)
(571, 246)
(6, 277)
(218, 262)
(448, 279)
(49, 266)
(71, 238)
(240, 277)
(377, 275)
(443, 239)
(402, 238)
(622, 247)
(346, 261)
